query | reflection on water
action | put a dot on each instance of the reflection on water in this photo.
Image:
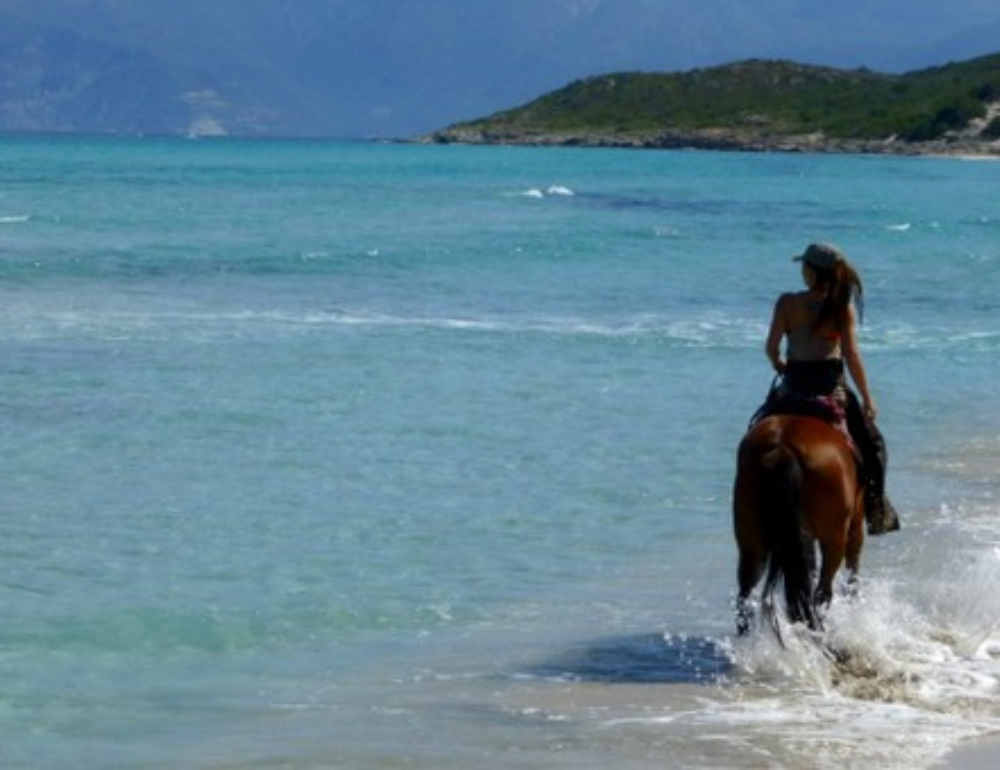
(641, 659)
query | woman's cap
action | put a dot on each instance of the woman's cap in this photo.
(821, 255)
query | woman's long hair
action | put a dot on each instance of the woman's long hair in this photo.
(843, 286)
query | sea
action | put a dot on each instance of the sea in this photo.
(375, 455)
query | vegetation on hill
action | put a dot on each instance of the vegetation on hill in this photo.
(755, 101)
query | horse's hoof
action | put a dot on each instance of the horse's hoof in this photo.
(744, 616)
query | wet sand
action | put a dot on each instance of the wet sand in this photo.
(976, 755)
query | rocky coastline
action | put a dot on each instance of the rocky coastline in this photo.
(720, 139)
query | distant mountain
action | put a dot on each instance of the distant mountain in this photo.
(395, 68)
(134, 68)
(761, 105)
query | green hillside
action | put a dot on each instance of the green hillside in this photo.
(757, 101)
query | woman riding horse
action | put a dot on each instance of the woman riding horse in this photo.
(798, 480)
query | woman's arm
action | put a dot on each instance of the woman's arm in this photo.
(779, 325)
(856, 366)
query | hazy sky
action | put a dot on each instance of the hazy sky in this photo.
(477, 56)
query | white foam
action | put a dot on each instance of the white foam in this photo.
(14, 219)
(916, 654)
(709, 331)
(907, 337)
(556, 190)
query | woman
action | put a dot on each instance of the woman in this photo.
(819, 327)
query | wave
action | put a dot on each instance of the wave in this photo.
(14, 219)
(553, 191)
(694, 332)
(912, 338)
(709, 331)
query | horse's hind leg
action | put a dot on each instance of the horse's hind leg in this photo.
(855, 541)
(750, 570)
(833, 556)
(855, 538)
(750, 542)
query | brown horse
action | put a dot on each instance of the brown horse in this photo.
(797, 484)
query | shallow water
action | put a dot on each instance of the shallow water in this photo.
(360, 455)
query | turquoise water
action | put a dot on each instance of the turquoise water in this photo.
(357, 455)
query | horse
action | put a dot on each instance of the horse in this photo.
(797, 484)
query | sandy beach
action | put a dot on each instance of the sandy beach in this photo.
(977, 755)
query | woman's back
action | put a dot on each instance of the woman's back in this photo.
(806, 341)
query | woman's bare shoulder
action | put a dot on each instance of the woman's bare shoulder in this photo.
(791, 299)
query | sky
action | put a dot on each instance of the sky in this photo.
(397, 68)
(514, 50)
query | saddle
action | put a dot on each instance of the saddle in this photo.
(825, 408)
(822, 407)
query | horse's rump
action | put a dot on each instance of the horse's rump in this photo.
(796, 484)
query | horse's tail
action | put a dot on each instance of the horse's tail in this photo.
(789, 550)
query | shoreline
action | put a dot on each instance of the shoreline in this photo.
(719, 140)
(974, 754)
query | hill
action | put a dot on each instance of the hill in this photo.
(759, 105)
